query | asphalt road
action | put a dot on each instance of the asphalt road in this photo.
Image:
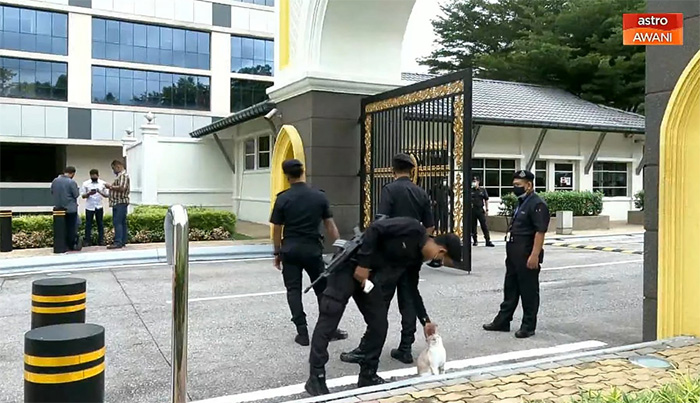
(241, 338)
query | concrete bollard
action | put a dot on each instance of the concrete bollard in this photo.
(64, 363)
(5, 231)
(57, 301)
(59, 231)
(565, 222)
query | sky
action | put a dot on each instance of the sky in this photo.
(418, 41)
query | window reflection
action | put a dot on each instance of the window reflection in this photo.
(140, 43)
(252, 55)
(33, 30)
(246, 93)
(149, 88)
(24, 78)
(270, 3)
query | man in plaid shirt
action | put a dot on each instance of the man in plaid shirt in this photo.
(119, 201)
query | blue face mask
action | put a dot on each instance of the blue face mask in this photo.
(518, 190)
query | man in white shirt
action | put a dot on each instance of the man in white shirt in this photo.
(93, 190)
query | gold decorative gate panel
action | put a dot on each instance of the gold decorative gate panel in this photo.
(431, 122)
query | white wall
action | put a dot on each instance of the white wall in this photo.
(85, 158)
(565, 146)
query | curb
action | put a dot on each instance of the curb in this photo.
(594, 247)
(442, 380)
(135, 257)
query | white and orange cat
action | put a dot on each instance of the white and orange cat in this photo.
(432, 360)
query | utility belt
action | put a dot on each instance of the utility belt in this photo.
(520, 239)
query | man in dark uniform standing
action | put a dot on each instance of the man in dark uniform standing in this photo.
(524, 254)
(402, 198)
(389, 246)
(480, 209)
(300, 209)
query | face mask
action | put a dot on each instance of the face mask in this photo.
(473, 184)
(435, 262)
(94, 181)
(519, 190)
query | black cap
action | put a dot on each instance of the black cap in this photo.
(290, 164)
(401, 157)
(453, 245)
(524, 174)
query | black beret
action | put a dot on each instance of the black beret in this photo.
(289, 164)
(524, 174)
(401, 157)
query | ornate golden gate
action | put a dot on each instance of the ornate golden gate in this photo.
(431, 121)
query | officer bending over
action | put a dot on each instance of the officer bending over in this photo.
(300, 209)
(524, 254)
(388, 245)
(402, 198)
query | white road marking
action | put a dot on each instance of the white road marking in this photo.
(54, 271)
(579, 266)
(459, 364)
(257, 294)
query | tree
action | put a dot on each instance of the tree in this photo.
(575, 45)
(6, 76)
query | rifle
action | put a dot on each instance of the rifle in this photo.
(346, 252)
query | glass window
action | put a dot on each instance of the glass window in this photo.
(246, 93)
(149, 88)
(563, 176)
(24, 78)
(250, 154)
(495, 175)
(252, 55)
(269, 3)
(152, 44)
(31, 30)
(263, 152)
(611, 178)
(540, 176)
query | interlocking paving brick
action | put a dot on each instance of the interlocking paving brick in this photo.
(456, 381)
(485, 391)
(510, 393)
(566, 391)
(590, 371)
(513, 385)
(481, 377)
(396, 399)
(482, 399)
(459, 388)
(425, 393)
(539, 381)
(402, 391)
(544, 387)
(513, 378)
(487, 383)
(453, 397)
(541, 396)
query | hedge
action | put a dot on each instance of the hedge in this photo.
(145, 225)
(581, 203)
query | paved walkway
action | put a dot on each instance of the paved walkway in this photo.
(553, 381)
(560, 382)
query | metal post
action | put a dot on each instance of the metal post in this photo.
(177, 252)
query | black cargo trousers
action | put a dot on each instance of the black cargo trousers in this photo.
(341, 286)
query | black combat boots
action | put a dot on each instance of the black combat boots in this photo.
(369, 377)
(302, 337)
(402, 354)
(353, 357)
(316, 384)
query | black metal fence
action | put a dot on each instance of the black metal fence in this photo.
(430, 121)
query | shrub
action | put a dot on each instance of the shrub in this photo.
(685, 389)
(145, 225)
(581, 203)
(639, 200)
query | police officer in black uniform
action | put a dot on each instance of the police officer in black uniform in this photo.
(524, 254)
(389, 246)
(301, 209)
(480, 209)
(402, 198)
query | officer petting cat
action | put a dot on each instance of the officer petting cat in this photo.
(389, 246)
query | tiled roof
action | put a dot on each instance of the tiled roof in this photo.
(508, 103)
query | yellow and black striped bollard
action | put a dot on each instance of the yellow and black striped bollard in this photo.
(64, 363)
(5, 231)
(59, 231)
(58, 300)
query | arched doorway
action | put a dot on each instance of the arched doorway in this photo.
(679, 208)
(287, 146)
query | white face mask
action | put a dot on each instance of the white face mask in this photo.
(474, 184)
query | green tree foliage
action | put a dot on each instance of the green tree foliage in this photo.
(575, 45)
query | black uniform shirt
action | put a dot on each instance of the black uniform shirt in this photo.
(403, 198)
(391, 242)
(301, 209)
(531, 216)
(478, 197)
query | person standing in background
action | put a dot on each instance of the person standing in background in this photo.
(65, 196)
(480, 209)
(94, 190)
(119, 192)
